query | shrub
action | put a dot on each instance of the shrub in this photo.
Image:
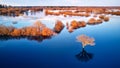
(58, 26)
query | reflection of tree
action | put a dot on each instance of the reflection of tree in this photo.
(36, 38)
(84, 56)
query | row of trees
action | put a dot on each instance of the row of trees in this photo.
(4, 6)
(66, 13)
(92, 21)
(16, 11)
(38, 29)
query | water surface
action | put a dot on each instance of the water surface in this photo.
(60, 51)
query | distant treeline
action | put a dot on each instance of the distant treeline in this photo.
(4, 6)
(6, 10)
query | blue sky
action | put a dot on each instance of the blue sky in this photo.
(61, 2)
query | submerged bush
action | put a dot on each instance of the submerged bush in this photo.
(47, 32)
(98, 21)
(16, 32)
(58, 26)
(6, 30)
(77, 24)
(81, 24)
(106, 18)
(74, 24)
(39, 25)
(91, 21)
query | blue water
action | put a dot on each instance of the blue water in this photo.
(60, 51)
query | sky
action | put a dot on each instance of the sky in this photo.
(61, 2)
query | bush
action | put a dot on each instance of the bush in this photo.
(16, 32)
(46, 32)
(58, 26)
(74, 24)
(106, 18)
(81, 24)
(92, 21)
(6, 30)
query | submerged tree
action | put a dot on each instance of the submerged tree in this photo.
(85, 40)
(83, 55)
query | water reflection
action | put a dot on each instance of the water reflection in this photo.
(35, 38)
(84, 56)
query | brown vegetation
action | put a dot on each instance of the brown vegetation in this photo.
(38, 29)
(91, 21)
(66, 13)
(113, 13)
(46, 32)
(16, 32)
(6, 30)
(16, 11)
(74, 24)
(81, 24)
(99, 21)
(77, 24)
(106, 18)
(101, 16)
(58, 26)
(85, 40)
